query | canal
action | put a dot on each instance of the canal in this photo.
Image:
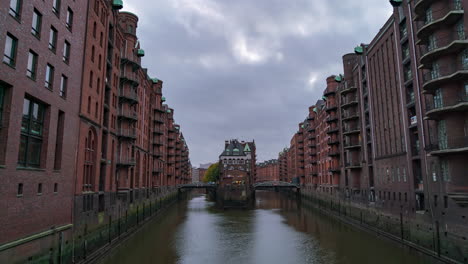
(276, 231)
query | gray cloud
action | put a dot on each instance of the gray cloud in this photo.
(248, 69)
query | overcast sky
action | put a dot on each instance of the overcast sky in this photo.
(248, 69)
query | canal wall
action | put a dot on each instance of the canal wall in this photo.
(95, 232)
(431, 239)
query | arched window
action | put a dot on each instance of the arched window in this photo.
(92, 53)
(89, 104)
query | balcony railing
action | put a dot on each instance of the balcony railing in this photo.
(126, 161)
(352, 129)
(349, 101)
(333, 130)
(128, 95)
(448, 145)
(351, 115)
(127, 133)
(129, 77)
(452, 43)
(129, 114)
(352, 144)
(459, 103)
(353, 164)
(450, 72)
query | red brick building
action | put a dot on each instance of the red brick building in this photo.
(391, 130)
(95, 142)
(268, 171)
(238, 163)
(40, 79)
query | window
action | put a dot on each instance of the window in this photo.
(69, 21)
(403, 30)
(31, 70)
(49, 77)
(438, 99)
(435, 71)
(2, 102)
(428, 17)
(59, 141)
(63, 86)
(11, 44)
(405, 51)
(464, 58)
(444, 170)
(91, 77)
(39, 188)
(36, 23)
(20, 190)
(56, 7)
(460, 28)
(15, 8)
(404, 174)
(94, 30)
(408, 74)
(66, 52)
(55, 187)
(458, 4)
(53, 39)
(432, 43)
(31, 133)
(92, 53)
(466, 90)
(442, 135)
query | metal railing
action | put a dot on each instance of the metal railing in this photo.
(127, 132)
(126, 93)
(433, 104)
(128, 113)
(444, 71)
(448, 143)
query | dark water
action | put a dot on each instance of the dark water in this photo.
(195, 232)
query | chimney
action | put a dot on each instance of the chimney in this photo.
(226, 144)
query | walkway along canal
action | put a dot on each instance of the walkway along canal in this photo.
(278, 230)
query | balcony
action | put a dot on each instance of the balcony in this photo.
(435, 111)
(450, 145)
(329, 92)
(128, 114)
(454, 43)
(352, 145)
(130, 60)
(131, 78)
(127, 95)
(353, 165)
(332, 119)
(333, 141)
(158, 120)
(332, 130)
(334, 153)
(157, 154)
(126, 162)
(331, 108)
(159, 109)
(334, 169)
(158, 131)
(158, 142)
(127, 133)
(449, 73)
(444, 17)
(348, 102)
(354, 129)
(350, 116)
(422, 5)
(157, 170)
(347, 88)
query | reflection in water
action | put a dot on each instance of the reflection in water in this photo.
(277, 231)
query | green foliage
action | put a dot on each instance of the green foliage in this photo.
(212, 173)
